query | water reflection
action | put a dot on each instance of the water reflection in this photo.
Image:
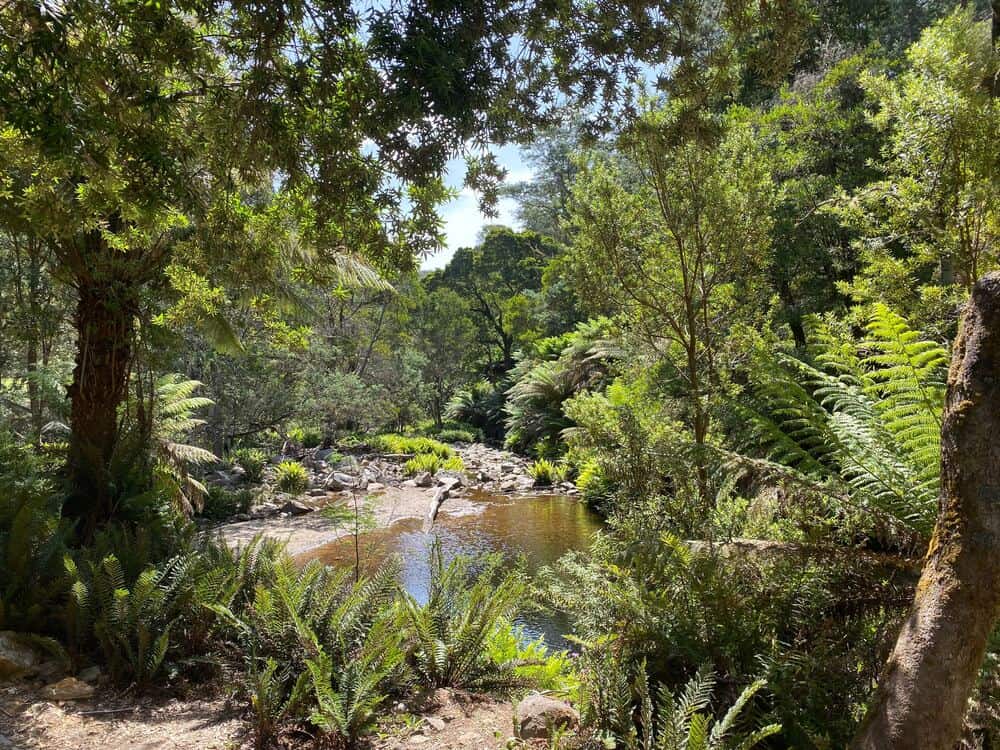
(538, 528)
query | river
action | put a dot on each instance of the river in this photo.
(537, 528)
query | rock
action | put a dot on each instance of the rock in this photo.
(346, 480)
(18, 657)
(418, 739)
(435, 723)
(295, 508)
(317, 492)
(6, 743)
(451, 479)
(410, 483)
(223, 479)
(68, 689)
(537, 715)
(90, 674)
(424, 479)
(507, 468)
(240, 517)
(324, 453)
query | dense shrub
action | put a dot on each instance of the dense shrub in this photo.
(252, 461)
(392, 443)
(449, 635)
(222, 503)
(291, 476)
(307, 437)
(432, 464)
(453, 435)
(33, 538)
(679, 607)
(545, 473)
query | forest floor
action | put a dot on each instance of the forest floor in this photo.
(444, 720)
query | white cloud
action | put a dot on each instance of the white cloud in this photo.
(462, 219)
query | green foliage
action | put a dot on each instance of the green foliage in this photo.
(307, 437)
(564, 366)
(33, 538)
(418, 446)
(864, 417)
(480, 405)
(252, 461)
(222, 503)
(450, 634)
(680, 606)
(338, 646)
(129, 619)
(173, 420)
(432, 463)
(545, 473)
(454, 435)
(534, 663)
(291, 476)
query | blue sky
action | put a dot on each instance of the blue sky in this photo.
(462, 220)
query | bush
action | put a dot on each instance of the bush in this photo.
(432, 464)
(291, 477)
(449, 636)
(307, 437)
(222, 503)
(545, 473)
(456, 436)
(33, 538)
(252, 461)
(320, 649)
(391, 443)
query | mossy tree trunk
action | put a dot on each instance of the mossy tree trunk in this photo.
(922, 698)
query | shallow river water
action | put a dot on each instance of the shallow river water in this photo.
(539, 528)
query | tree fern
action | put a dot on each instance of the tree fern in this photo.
(862, 416)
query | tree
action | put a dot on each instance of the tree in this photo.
(676, 238)
(922, 695)
(495, 278)
(931, 226)
(445, 334)
(136, 139)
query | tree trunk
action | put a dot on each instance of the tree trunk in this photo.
(921, 701)
(104, 322)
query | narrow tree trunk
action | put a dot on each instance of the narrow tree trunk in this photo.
(921, 701)
(104, 321)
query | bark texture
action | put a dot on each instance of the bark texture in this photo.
(104, 322)
(925, 687)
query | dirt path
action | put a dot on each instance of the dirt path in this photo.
(445, 720)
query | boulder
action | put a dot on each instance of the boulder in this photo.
(68, 689)
(295, 508)
(537, 715)
(424, 479)
(18, 657)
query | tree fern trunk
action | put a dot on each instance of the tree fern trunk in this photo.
(921, 701)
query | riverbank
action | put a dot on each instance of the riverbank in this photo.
(373, 486)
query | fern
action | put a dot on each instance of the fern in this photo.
(174, 408)
(450, 634)
(864, 417)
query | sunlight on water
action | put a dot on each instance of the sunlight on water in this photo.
(538, 528)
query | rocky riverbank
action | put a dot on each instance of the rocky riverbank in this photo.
(373, 485)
